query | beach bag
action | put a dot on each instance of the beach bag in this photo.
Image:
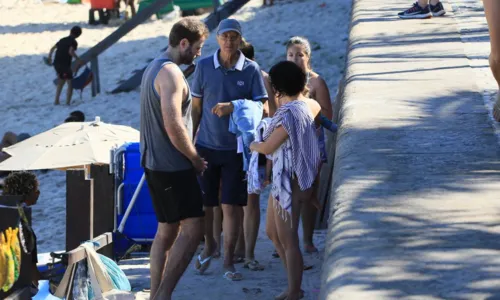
(81, 282)
(101, 282)
(118, 277)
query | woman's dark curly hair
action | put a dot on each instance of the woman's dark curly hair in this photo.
(20, 183)
(287, 78)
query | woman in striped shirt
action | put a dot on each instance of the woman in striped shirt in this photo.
(292, 143)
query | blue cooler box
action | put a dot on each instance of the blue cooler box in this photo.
(141, 224)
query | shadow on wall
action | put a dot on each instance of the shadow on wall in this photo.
(377, 197)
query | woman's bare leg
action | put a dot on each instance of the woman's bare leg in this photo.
(217, 211)
(289, 238)
(308, 215)
(272, 233)
(492, 11)
(271, 230)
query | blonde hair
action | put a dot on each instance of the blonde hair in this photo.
(299, 40)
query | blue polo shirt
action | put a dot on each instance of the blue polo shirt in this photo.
(214, 84)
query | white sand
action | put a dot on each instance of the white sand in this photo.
(27, 31)
(255, 285)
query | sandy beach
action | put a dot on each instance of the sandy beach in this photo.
(29, 28)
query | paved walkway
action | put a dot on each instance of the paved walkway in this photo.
(416, 205)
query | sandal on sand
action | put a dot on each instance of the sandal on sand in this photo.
(310, 249)
(233, 276)
(253, 265)
(284, 296)
(238, 259)
(202, 265)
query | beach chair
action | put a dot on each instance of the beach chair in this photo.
(82, 80)
(135, 219)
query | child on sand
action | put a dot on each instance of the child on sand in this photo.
(65, 51)
(25, 184)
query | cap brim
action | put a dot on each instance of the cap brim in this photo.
(228, 29)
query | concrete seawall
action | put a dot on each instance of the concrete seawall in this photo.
(415, 209)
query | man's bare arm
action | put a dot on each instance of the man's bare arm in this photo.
(169, 85)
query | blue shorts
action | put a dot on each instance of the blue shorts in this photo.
(225, 172)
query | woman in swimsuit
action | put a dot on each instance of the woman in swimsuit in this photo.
(298, 50)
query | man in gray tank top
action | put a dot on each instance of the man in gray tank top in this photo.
(169, 158)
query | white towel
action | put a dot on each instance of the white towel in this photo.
(254, 181)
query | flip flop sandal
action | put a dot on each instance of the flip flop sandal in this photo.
(253, 265)
(233, 276)
(202, 264)
(238, 260)
(284, 297)
(300, 297)
(310, 249)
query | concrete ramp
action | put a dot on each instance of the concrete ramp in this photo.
(415, 206)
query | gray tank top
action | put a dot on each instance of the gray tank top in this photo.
(157, 151)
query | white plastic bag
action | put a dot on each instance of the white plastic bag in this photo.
(100, 281)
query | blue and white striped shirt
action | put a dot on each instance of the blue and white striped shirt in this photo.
(299, 156)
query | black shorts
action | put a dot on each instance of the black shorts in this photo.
(225, 170)
(64, 72)
(176, 195)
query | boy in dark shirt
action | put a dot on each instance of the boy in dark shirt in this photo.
(66, 48)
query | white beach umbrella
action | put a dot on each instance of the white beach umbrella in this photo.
(73, 145)
(70, 145)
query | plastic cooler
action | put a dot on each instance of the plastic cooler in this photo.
(101, 4)
(141, 224)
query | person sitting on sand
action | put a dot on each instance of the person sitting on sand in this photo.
(25, 184)
(9, 139)
(292, 142)
(65, 51)
(75, 116)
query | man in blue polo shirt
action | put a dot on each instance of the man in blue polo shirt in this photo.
(219, 79)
